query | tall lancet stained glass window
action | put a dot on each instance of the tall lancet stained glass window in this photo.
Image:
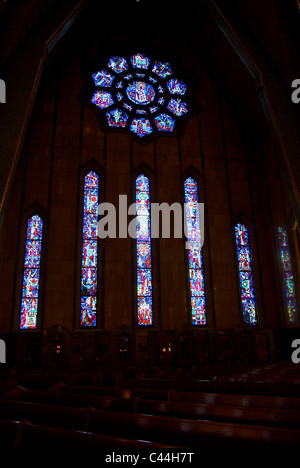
(247, 289)
(89, 257)
(195, 255)
(288, 276)
(31, 273)
(143, 250)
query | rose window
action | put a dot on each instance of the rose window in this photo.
(139, 94)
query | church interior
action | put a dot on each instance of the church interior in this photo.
(117, 334)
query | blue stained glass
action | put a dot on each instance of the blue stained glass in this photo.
(143, 248)
(116, 118)
(31, 273)
(89, 282)
(143, 255)
(195, 256)
(141, 89)
(177, 106)
(89, 255)
(140, 61)
(288, 276)
(117, 64)
(141, 127)
(144, 282)
(140, 92)
(164, 122)
(90, 225)
(102, 99)
(88, 311)
(198, 310)
(176, 86)
(32, 254)
(162, 69)
(145, 311)
(31, 282)
(102, 78)
(127, 106)
(247, 290)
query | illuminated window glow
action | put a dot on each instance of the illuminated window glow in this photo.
(143, 247)
(89, 258)
(31, 273)
(288, 276)
(137, 83)
(247, 290)
(195, 256)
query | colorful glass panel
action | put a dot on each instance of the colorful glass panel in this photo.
(177, 106)
(138, 85)
(141, 127)
(140, 92)
(176, 86)
(89, 252)
(102, 78)
(102, 99)
(164, 122)
(143, 248)
(195, 260)
(162, 69)
(247, 290)
(31, 273)
(116, 118)
(288, 276)
(117, 64)
(140, 61)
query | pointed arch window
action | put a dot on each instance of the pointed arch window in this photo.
(31, 273)
(288, 276)
(143, 252)
(195, 254)
(89, 252)
(246, 280)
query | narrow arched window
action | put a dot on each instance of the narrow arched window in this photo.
(31, 273)
(247, 289)
(195, 254)
(288, 276)
(143, 251)
(89, 252)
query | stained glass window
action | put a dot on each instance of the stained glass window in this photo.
(129, 92)
(247, 289)
(195, 255)
(89, 255)
(143, 248)
(288, 276)
(31, 273)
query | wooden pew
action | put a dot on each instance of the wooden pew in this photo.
(168, 431)
(234, 408)
(24, 434)
(253, 401)
(212, 412)
(74, 409)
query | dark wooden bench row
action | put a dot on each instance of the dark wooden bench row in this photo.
(256, 399)
(208, 411)
(166, 431)
(122, 403)
(24, 434)
(200, 411)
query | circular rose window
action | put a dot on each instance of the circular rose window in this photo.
(139, 94)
